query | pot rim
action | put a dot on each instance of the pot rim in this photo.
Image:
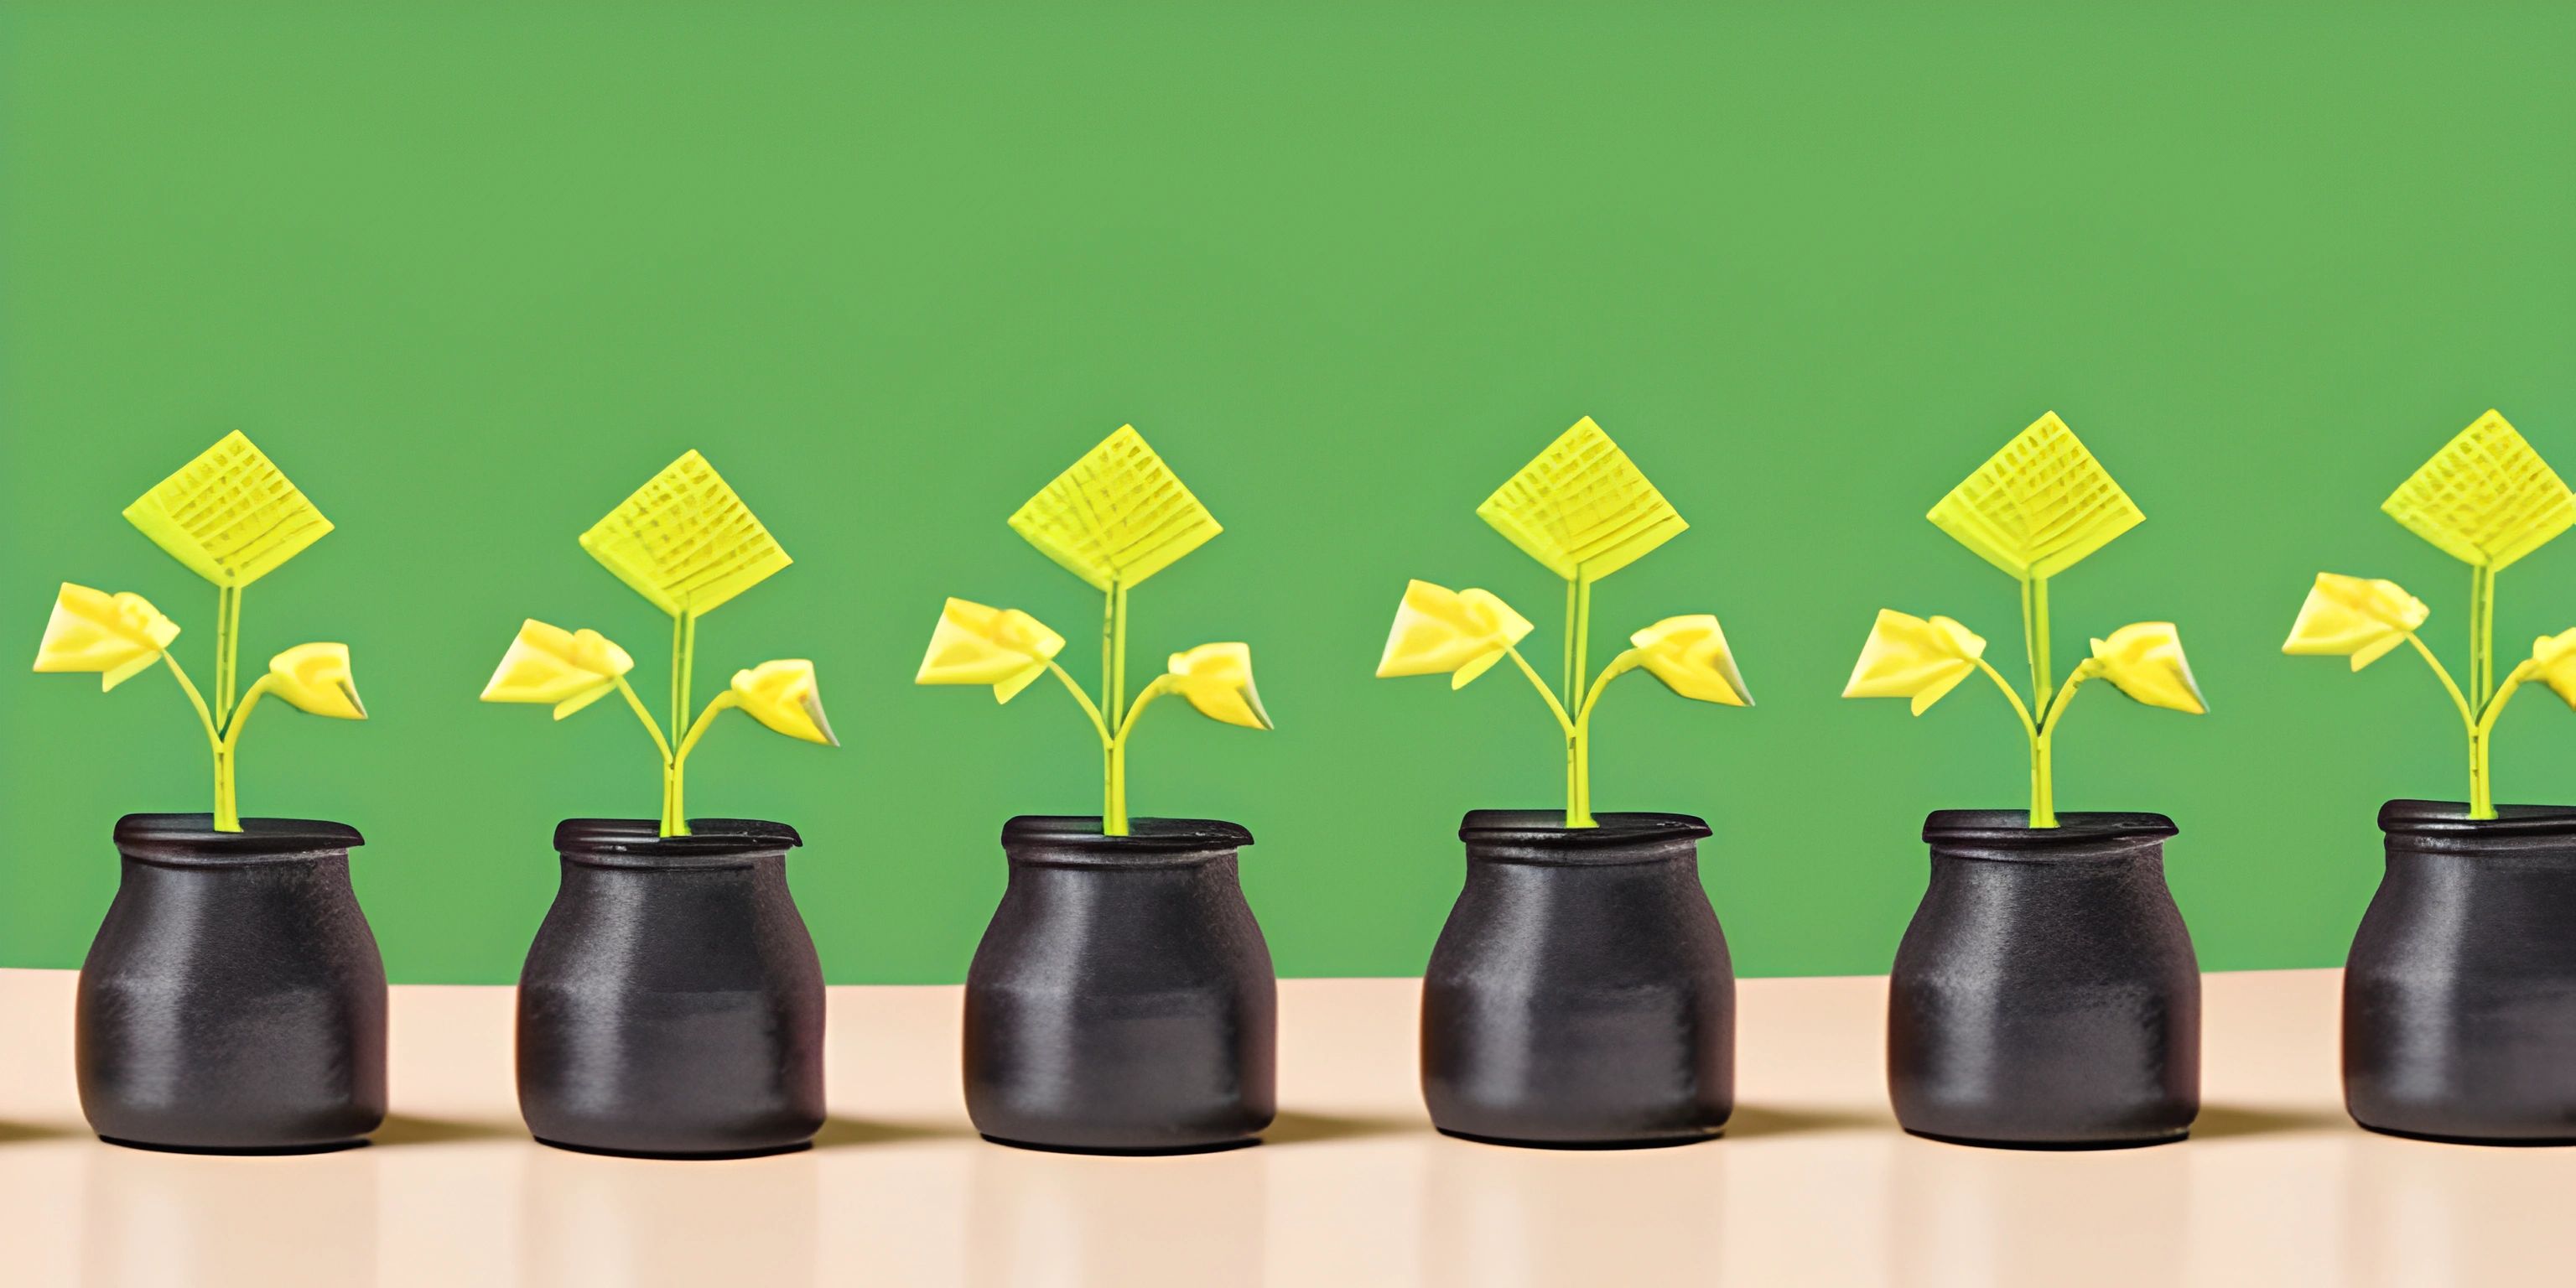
(1540, 838)
(1075, 841)
(2007, 834)
(1547, 827)
(638, 842)
(191, 841)
(2408, 817)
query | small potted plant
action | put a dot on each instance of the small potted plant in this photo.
(1122, 999)
(2459, 997)
(671, 1005)
(1581, 993)
(2046, 993)
(234, 1001)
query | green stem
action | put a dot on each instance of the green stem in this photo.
(1113, 697)
(2041, 813)
(2481, 799)
(227, 818)
(227, 650)
(671, 824)
(1089, 708)
(724, 701)
(1578, 812)
(2482, 681)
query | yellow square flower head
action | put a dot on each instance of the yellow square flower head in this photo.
(1582, 507)
(229, 515)
(685, 541)
(2486, 499)
(2039, 506)
(1117, 516)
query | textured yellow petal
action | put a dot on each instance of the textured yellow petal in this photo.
(1909, 657)
(2349, 616)
(1689, 654)
(118, 636)
(570, 669)
(685, 541)
(783, 695)
(1440, 631)
(1217, 679)
(978, 644)
(2554, 657)
(2038, 506)
(1582, 507)
(1117, 516)
(2144, 659)
(229, 514)
(316, 678)
(2486, 498)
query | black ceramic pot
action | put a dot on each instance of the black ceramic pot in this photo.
(1122, 1000)
(2459, 999)
(672, 1005)
(233, 1001)
(2046, 994)
(1581, 993)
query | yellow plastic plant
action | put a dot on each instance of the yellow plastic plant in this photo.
(232, 518)
(1116, 517)
(2037, 508)
(1584, 510)
(685, 542)
(2487, 499)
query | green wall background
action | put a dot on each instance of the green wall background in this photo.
(472, 272)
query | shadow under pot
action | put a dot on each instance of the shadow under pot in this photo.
(234, 1001)
(1581, 994)
(2459, 998)
(2046, 995)
(672, 1005)
(1122, 999)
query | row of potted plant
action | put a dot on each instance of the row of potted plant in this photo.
(1122, 1000)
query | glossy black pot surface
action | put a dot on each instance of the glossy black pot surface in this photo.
(1581, 993)
(672, 1005)
(1122, 999)
(234, 1001)
(2046, 994)
(2459, 999)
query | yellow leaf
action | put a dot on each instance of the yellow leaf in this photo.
(1909, 657)
(117, 636)
(316, 678)
(1442, 631)
(2039, 506)
(1217, 679)
(2486, 498)
(229, 515)
(2353, 617)
(546, 663)
(1689, 654)
(685, 541)
(979, 644)
(783, 696)
(1117, 516)
(2145, 661)
(1582, 507)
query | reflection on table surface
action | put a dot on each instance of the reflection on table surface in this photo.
(1812, 1184)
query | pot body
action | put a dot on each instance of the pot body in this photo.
(1122, 998)
(2046, 994)
(2459, 998)
(672, 1005)
(1581, 993)
(234, 1000)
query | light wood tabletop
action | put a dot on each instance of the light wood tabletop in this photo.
(1811, 1185)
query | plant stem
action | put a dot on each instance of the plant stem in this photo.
(1578, 749)
(2481, 802)
(226, 818)
(1577, 810)
(1113, 697)
(1088, 708)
